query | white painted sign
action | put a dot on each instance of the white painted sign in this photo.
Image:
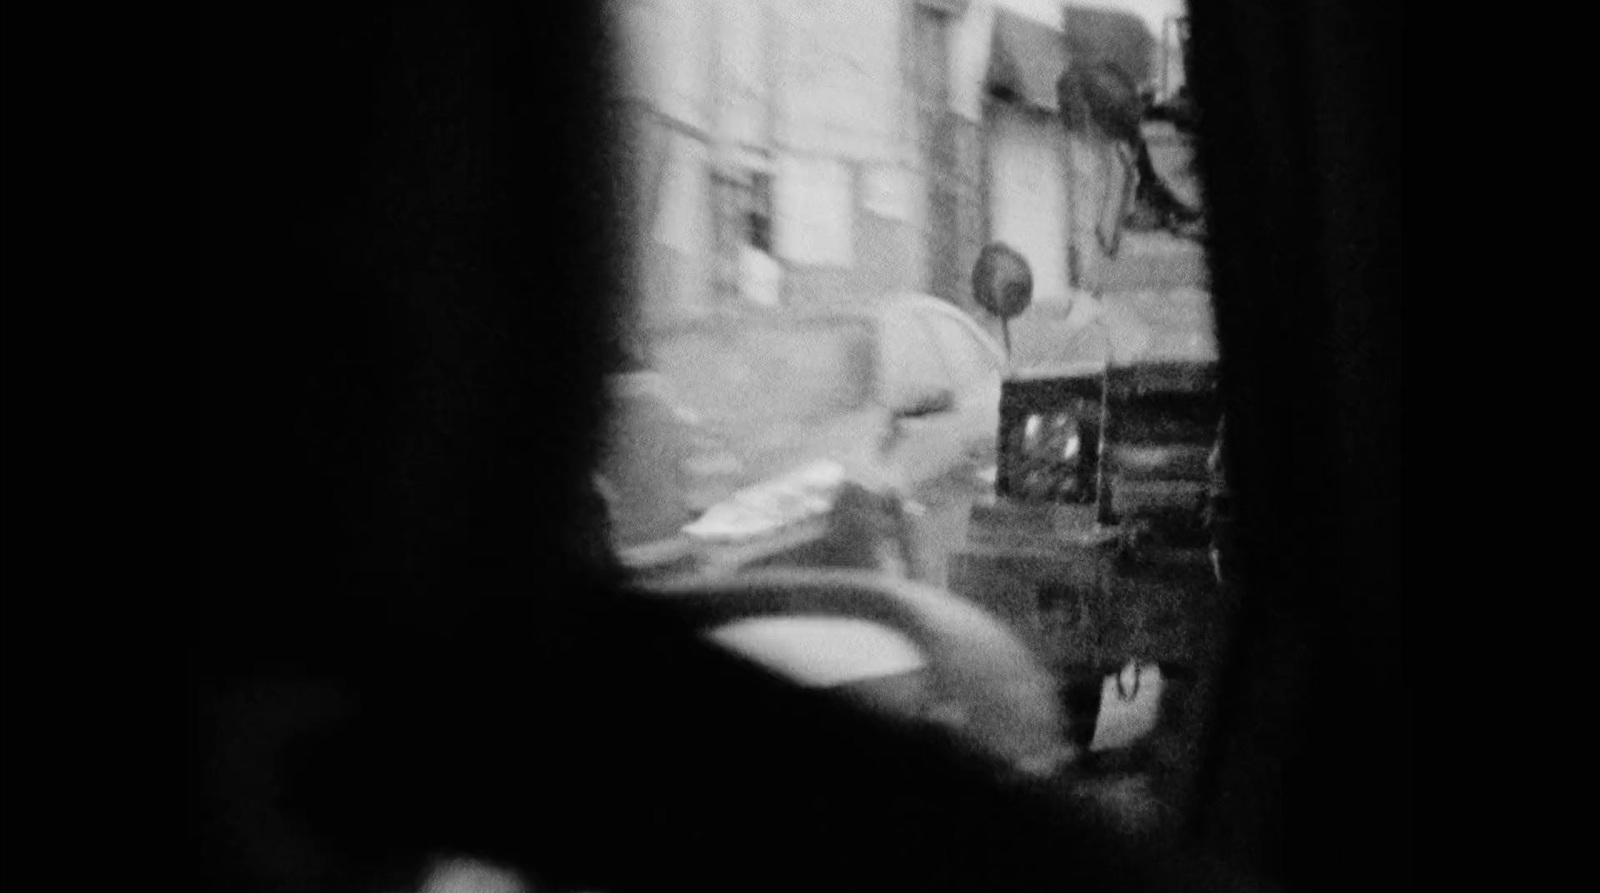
(815, 212)
(888, 192)
(683, 220)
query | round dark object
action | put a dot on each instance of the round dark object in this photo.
(1002, 281)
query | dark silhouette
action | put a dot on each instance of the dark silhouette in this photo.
(1098, 94)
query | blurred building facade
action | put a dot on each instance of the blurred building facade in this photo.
(867, 146)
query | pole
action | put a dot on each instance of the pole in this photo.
(774, 49)
(1074, 262)
(724, 245)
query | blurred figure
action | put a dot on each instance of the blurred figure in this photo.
(1099, 96)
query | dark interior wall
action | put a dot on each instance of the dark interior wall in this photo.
(333, 292)
(1299, 148)
(416, 230)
